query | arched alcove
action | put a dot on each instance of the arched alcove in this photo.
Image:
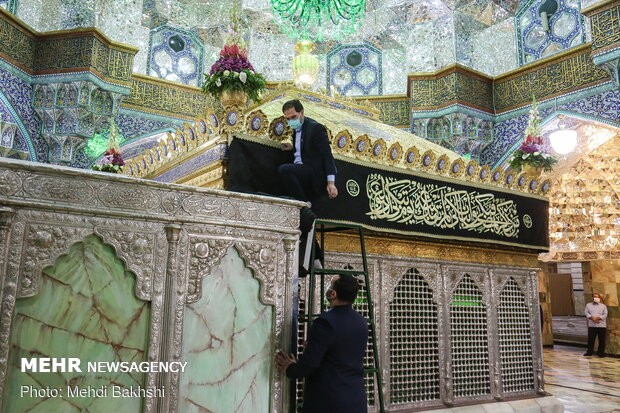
(85, 308)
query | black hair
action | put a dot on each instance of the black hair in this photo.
(346, 287)
(295, 103)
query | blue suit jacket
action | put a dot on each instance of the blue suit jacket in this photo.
(316, 153)
(333, 363)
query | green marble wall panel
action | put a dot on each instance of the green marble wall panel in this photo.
(85, 308)
(227, 342)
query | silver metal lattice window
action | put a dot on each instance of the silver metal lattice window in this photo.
(470, 346)
(515, 340)
(414, 348)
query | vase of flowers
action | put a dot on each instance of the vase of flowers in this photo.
(111, 160)
(532, 156)
(232, 78)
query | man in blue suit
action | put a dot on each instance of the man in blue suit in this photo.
(313, 171)
(333, 360)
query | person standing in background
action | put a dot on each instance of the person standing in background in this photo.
(596, 313)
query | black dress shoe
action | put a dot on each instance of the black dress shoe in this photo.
(587, 354)
(601, 355)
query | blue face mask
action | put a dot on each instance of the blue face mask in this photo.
(294, 124)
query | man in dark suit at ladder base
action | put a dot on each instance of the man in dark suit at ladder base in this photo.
(333, 360)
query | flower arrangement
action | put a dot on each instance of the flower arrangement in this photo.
(112, 160)
(233, 71)
(532, 152)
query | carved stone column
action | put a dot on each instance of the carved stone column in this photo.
(168, 381)
(282, 383)
(6, 219)
(537, 343)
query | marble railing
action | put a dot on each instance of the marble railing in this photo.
(110, 268)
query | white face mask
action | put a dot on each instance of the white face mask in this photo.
(597, 300)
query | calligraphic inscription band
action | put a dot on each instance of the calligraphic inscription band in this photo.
(605, 27)
(409, 202)
(390, 201)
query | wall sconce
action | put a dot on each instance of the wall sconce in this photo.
(563, 140)
(546, 10)
(305, 64)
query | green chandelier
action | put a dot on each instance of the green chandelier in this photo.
(318, 19)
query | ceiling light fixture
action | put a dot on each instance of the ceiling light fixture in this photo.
(563, 140)
(318, 19)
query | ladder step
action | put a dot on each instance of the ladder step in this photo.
(338, 272)
(341, 225)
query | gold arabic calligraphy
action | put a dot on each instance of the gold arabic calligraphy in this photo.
(409, 202)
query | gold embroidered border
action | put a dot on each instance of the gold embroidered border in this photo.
(398, 247)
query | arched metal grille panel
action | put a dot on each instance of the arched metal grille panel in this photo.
(470, 343)
(414, 347)
(515, 340)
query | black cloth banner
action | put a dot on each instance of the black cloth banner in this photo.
(402, 203)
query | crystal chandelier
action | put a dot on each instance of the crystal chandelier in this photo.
(318, 19)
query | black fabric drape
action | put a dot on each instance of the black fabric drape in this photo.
(426, 207)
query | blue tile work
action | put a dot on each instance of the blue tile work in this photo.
(140, 146)
(18, 95)
(5, 115)
(508, 132)
(565, 29)
(604, 105)
(355, 70)
(213, 154)
(9, 5)
(133, 126)
(176, 55)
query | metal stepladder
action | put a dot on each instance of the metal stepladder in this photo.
(322, 227)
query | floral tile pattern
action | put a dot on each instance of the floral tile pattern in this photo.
(19, 94)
